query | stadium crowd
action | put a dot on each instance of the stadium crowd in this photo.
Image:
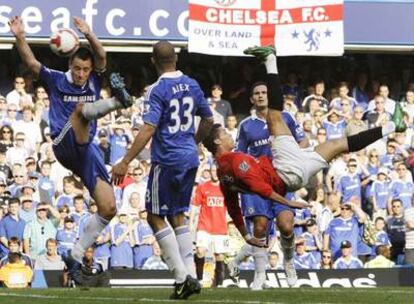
(361, 212)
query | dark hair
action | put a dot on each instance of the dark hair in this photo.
(6, 127)
(381, 249)
(83, 53)
(14, 240)
(14, 200)
(256, 84)
(78, 197)
(14, 257)
(208, 142)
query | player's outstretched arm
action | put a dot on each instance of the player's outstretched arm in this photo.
(96, 45)
(25, 52)
(119, 170)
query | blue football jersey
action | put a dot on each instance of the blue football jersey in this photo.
(64, 95)
(253, 135)
(171, 105)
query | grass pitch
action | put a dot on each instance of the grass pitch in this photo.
(213, 296)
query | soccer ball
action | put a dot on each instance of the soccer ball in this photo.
(64, 42)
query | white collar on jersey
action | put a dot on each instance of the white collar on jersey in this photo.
(254, 116)
(174, 74)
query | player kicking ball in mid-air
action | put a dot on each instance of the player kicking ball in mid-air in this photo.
(170, 107)
(290, 167)
(74, 108)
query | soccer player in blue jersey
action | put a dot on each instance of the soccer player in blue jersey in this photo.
(253, 138)
(73, 112)
(170, 106)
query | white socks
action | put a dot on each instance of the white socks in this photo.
(93, 228)
(185, 246)
(99, 108)
(271, 64)
(388, 128)
(260, 262)
(171, 254)
(245, 251)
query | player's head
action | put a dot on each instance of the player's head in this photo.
(258, 95)
(218, 139)
(163, 56)
(81, 64)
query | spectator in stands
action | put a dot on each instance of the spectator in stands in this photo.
(231, 126)
(223, 107)
(338, 102)
(313, 240)
(15, 246)
(335, 125)
(67, 197)
(121, 239)
(378, 115)
(382, 238)
(139, 186)
(347, 260)
(11, 115)
(408, 105)
(344, 228)
(380, 192)
(303, 259)
(396, 230)
(19, 97)
(143, 240)
(319, 88)
(103, 247)
(28, 209)
(15, 274)
(50, 260)
(360, 91)
(349, 185)
(46, 186)
(326, 259)
(118, 141)
(402, 188)
(12, 225)
(356, 124)
(19, 152)
(382, 260)
(78, 208)
(274, 261)
(29, 128)
(39, 230)
(330, 211)
(104, 146)
(389, 104)
(90, 273)
(66, 237)
(409, 236)
(6, 137)
(155, 261)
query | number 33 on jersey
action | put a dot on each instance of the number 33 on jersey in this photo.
(171, 105)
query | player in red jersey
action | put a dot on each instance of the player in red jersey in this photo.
(290, 167)
(212, 226)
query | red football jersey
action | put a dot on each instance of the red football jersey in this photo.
(240, 172)
(212, 217)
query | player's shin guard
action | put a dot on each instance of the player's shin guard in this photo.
(98, 109)
(199, 262)
(185, 246)
(219, 273)
(288, 245)
(362, 139)
(94, 227)
(171, 254)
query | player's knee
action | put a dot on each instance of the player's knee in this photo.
(109, 211)
(260, 230)
(285, 222)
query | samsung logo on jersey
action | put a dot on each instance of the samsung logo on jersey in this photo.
(261, 142)
(76, 98)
